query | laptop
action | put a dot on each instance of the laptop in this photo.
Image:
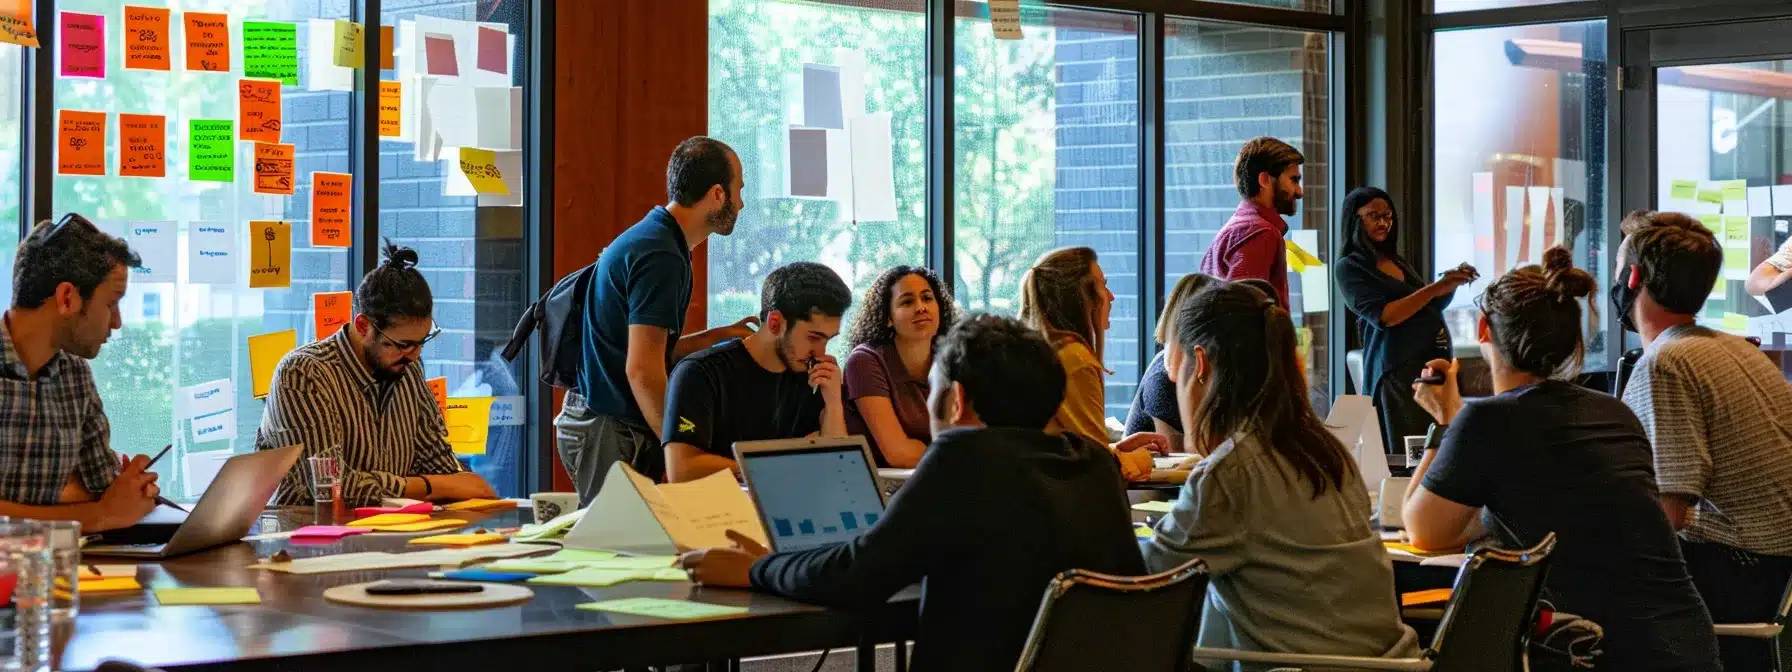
(223, 515)
(811, 492)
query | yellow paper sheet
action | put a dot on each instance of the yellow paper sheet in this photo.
(265, 351)
(270, 254)
(1411, 549)
(467, 419)
(480, 505)
(421, 526)
(610, 577)
(169, 597)
(16, 25)
(1735, 322)
(349, 44)
(459, 539)
(1684, 190)
(103, 585)
(1298, 254)
(481, 168)
(1153, 507)
(389, 519)
(90, 572)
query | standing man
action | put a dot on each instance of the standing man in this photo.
(634, 314)
(1715, 410)
(1250, 245)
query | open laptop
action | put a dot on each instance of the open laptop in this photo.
(223, 515)
(811, 492)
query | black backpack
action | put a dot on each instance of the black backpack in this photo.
(560, 314)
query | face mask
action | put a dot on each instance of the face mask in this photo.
(1623, 299)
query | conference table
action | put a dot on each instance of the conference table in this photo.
(296, 628)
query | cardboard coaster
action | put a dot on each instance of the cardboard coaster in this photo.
(494, 595)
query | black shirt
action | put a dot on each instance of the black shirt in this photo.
(1155, 398)
(989, 517)
(719, 396)
(643, 277)
(1555, 457)
(1403, 347)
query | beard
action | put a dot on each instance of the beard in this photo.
(1284, 203)
(785, 348)
(722, 221)
(381, 373)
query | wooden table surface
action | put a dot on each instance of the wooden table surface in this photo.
(295, 628)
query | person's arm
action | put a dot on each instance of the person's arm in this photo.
(689, 427)
(1672, 412)
(98, 465)
(1369, 298)
(656, 306)
(1083, 411)
(1453, 482)
(898, 449)
(1772, 272)
(1207, 522)
(1171, 433)
(824, 376)
(646, 371)
(685, 462)
(690, 343)
(435, 474)
(130, 495)
(1255, 256)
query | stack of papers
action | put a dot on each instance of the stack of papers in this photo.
(389, 519)
(553, 529)
(351, 562)
(661, 608)
(1154, 507)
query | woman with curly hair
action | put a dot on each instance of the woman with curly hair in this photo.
(890, 351)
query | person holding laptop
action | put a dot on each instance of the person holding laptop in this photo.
(995, 509)
(56, 461)
(359, 396)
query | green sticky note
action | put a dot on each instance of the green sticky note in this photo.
(271, 51)
(662, 608)
(1153, 507)
(1713, 222)
(170, 597)
(1711, 193)
(211, 150)
(530, 565)
(1735, 259)
(1736, 228)
(609, 577)
(1684, 190)
(1735, 190)
(1735, 322)
(632, 562)
(577, 556)
(1142, 532)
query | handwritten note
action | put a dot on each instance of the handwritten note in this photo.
(217, 426)
(1736, 229)
(438, 387)
(208, 42)
(146, 37)
(1683, 190)
(494, 51)
(211, 150)
(329, 311)
(265, 351)
(80, 143)
(205, 398)
(211, 253)
(438, 55)
(348, 51)
(83, 50)
(258, 109)
(654, 607)
(16, 24)
(142, 145)
(273, 168)
(330, 208)
(467, 419)
(481, 168)
(271, 51)
(391, 103)
(1734, 190)
(1004, 18)
(507, 411)
(270, 254)
(157, 245)
(386, 48)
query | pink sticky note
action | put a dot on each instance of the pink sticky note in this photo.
(438, 55)
(419, 507)
(494, 51)
(328, 531)
(83, 45)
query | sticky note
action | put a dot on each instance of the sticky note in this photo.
(348, 51)
(386, 48)
(89, 572)
(102, 584)
(1004, 19)
(331, 195)
(329, 311)
(219, 426)
(158, 247)
(1713, 222)
(1711, 193)
(1683, 190)
(662, 608)
(142, 145)
(273, 168)
(211, 253)
(265, 351)
(1735, 322)
(196, 400)
(172, 597)
(1142, 532)
(16, 25)
(419, 507)
(439, 388)
(459, 539)
(1734, 190)
(270, 254)
(208, 41)
(588, 576)
(1153, 507)
(146, 38)
(390, 519)
(481, 168)
(211, 150)
(1412, 550)
(421, 526)
(508, 411)
(467, 420)
(80, 143)
(328, 531)
(480, 505)
(1419, 597)
(1736, 229)
(271, 51)
(391, 103)
(1736, 259)
(83, 49)
(438, 55)
(258, 109)
(494, 51)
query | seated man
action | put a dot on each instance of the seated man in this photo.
(996, 508)
(778, 383)
(56, 462)
(359, 396)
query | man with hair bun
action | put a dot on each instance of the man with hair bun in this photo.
(359, 396)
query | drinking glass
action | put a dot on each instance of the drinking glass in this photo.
(64, 537)
(25, 573)
(326, 483)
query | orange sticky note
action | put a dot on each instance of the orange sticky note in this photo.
(16, 23)
(273, 168)
(330, 208)
(386, 49)
(1422, 597)
(329, 311)
(208, 42)
(439, 388)
(142, 145)
(146, 38)
(391, 100)
(258, 110)
(80, 143)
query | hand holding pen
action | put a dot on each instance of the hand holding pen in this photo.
(164, 501)
(824, 374)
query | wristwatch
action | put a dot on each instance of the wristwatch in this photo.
(1434, 437)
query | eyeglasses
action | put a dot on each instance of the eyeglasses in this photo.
(409, 346)
(1379, 217)
(67, 222)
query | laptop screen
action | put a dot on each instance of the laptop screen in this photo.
(810, 497)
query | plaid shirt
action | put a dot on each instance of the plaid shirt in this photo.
(51, 427)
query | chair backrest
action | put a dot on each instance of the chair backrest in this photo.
(1491, 613)
(1091, 621)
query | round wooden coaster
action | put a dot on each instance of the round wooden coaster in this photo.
(494, 595)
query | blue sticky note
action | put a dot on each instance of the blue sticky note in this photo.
(483, 575)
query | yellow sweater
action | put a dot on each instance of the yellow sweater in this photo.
(1084, 408)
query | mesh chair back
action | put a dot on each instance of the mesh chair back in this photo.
(1093, 621)
(1491, 613)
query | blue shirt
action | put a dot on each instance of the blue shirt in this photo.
(1401, 348)
(643, 277)
(1155, 399)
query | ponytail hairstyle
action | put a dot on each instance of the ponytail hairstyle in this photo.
(1533, 316)
(396, 289)
(1058, 297)
(1257, 385)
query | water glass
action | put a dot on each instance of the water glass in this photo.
(326, 482)
(25, 569)
(65, 559)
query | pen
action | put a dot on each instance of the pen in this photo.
(164, 501)
(810, 362)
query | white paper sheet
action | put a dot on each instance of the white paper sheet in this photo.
(839, 168)
(1572, 175)
(471, 116)
(211, 253)
(200, 469)
(1536, 238)
(204, 398)
(1514, 229)
(821, 97)
(625, 524)
(219, 426)
(1481, 223)
(428, 142)
(641, 518)
(1760, 201)
(1315, 289)
(1558, 224)
(1782, 199)
(507, 411)
(1354, 422)
(873, 178)
(321, 71)
(807, 160)
(851, 63)
(159, 247)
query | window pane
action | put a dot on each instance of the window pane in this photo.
(1520, 160)
(1302, 5)
(185, 333)
(1226, 84)
(470, 247)
(12, 84)
(1448, 6)
(778, 67)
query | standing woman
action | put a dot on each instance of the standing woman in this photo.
(1401, 317)
(891, 349)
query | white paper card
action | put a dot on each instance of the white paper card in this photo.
(206, 398)
(1481, 224)
(322, 73)
(219, 426)
(1514, 229)
(199, 469)
(1535, 238)
(507, 411)
(1571, 174)
(429, 143)
(211, 253)
(1004, 17)
(1760, 201)
(159, 247)
(1782, 199)
(873, 179)
(1315, 289)
(471, 116)
(821, 96)
(641, 518)
(1558, 224)
(1354, 422)
(851, 63)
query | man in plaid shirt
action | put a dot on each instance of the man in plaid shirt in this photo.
(56, 462)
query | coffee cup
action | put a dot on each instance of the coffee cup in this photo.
(551, 505)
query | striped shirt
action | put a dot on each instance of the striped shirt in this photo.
(51, 427)
(324, 398)
(1717, 413)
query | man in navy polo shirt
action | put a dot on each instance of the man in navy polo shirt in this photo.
(634, 315)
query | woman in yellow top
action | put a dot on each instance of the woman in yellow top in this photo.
(1065, 296)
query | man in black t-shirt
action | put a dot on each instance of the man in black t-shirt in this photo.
(778, 383)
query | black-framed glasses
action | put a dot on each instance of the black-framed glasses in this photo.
(1379, 217)
(409, 346)
(68, 221)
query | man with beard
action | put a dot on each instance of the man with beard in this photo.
(359, 396)
(634, 315)
(778, 383)
(1250, 245)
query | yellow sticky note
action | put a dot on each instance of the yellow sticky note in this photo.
(480, 505)
(467, 419)
(1153, 507)
(1734, 190)
(481, 169)
(1732, 322)
(391, 102)
(1684, 190)
(1713, 222)
(421, 526)
(1736, 259)
(1294, 261)
(171, 597)
(1711, 193)
(1306, 258)
(1736, 229)
(459, 539)
(270, 254)
(348, 44)
(265, 351)
(1420, 597)
(103, 584)
(1142, 532)
(389, 519)
(1411, 549)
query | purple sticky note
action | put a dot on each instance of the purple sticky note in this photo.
(438, 55)
(328, 531)
(83, 45)
(494, 51)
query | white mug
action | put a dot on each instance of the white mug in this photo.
(550, 505)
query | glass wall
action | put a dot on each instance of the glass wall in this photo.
(12, 84)
(1448, 6)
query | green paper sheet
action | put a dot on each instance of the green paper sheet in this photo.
(211, 150)
(609, 577)
(1711, 193)
(1736, 259)
(1735, 190)
(170, 597)
(1736, 228)
(1715, 223)
(271, 51)
(662, 608)
(632, 562)
(1684, 190)
(530, 565)
(577, 556)
(1153, 507)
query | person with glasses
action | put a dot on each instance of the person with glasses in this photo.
(359, 396)
(1401, 317)
(56, 460)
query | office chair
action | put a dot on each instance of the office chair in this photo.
(1485, 627)
(1075, 629)
(1769, 631)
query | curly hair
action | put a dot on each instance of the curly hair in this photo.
(872, 323)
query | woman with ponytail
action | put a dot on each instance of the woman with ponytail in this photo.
(1544, 455)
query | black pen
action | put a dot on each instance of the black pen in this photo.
(164, 501)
